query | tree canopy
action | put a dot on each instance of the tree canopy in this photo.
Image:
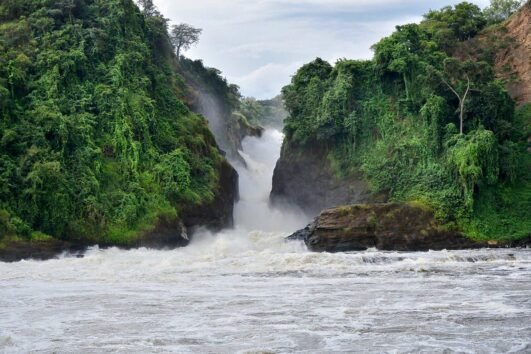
(183, 36)
(500, 10)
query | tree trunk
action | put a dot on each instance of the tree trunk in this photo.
(461, 116)
(462, 101)
(406, 86)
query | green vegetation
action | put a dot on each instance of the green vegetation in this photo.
(396, 118)
(212, 96)
(96, 142)
(267, 113)
(201, 79)
(500, 10)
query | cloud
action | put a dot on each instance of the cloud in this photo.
(259, 44)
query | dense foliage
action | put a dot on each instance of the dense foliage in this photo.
(95, 140)
(396, 119)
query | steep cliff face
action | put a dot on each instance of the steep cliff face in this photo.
(304, 176)
(212, 96)
(518, 58)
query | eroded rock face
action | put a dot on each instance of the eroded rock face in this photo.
(392, 227)
(518, 56)
(220, 212)
(303, 176)
(40, 250)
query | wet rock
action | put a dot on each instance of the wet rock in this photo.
(304, 177)
(397, 227)
(219, 213)
(16, 250)
(303, 234)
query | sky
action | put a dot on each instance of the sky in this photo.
(260, 44)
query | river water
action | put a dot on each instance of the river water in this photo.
(247, 291)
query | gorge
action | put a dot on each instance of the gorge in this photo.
(146, 206)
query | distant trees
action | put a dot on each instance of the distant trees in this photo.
(463, 21)
(148, 7)
(183, 36)
(500, 10)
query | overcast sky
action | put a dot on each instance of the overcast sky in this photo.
(259, 44)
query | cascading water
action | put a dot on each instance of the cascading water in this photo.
(247, 291)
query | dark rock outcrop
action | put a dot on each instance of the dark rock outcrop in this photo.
(17, 250)
(219, 213)
(303, 176)
(396, 227)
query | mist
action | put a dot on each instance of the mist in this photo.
(209, 106)
(254, 211)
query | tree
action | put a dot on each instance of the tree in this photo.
(464, 20)
(148, 7)
(399, 52)
(462, 77)
(500, 10)
(183, 36)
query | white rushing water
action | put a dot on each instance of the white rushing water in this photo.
(248, 291)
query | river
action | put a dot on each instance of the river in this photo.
(247, 291)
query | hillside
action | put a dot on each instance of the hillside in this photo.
(97, 144)
(422, 122)
(508, 47)
(220, 102)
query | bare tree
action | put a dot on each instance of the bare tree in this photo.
(462, 78)
(183, 36)
(461, 98)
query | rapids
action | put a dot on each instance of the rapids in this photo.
(247, 291)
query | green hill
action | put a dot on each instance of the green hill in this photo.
(96, 141)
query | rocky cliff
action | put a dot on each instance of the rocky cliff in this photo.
(304, 176)
(212, 96)
(517, 58)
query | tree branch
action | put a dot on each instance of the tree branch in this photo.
(451, 88)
